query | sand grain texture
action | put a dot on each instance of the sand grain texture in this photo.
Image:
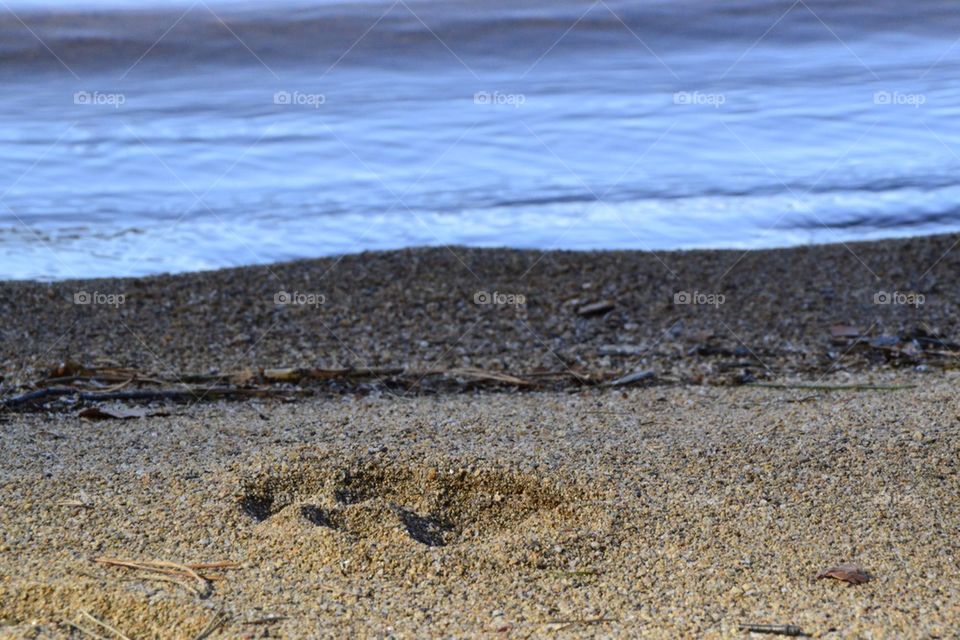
(659, 512)
(681, 505)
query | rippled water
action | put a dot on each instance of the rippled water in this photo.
(187, 136)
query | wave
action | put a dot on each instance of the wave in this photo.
(390, 32)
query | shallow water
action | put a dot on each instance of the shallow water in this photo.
(137, 138)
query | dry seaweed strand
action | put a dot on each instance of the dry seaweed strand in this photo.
(184, 388)
(563, 624)
(173, 571)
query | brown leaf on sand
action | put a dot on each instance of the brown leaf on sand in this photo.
(846, 572)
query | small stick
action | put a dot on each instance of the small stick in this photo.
(833, 387)
(40, 394)
(774, 629)
(165, 568)
(139, 394)
(567, 623)
(100, 623)
(266, 620)
(222, 564)
(215, 623)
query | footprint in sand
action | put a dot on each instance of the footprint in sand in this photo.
(373, 500)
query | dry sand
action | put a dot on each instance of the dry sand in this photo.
(679, 509)
(664, 512)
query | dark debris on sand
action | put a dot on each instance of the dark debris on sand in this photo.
(569, 318)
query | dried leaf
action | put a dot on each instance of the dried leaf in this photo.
(596, 308)
(846, 572)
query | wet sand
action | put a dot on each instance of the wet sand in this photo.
(681, 507)
(418, 310)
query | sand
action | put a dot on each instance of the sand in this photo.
(657, 512)
(680, 507)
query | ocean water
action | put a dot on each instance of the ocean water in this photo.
(139, 137)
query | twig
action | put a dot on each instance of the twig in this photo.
(105, 626)
(119, 385)
(588, 621)
(215, 623)
(832, 387)
(492, 376)
(99, 623)
(774, 629)
(40, 394)
(802, 399)
(74, 503)
(265, 620)
(172, 570)
(222, 564)
(140, 394)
